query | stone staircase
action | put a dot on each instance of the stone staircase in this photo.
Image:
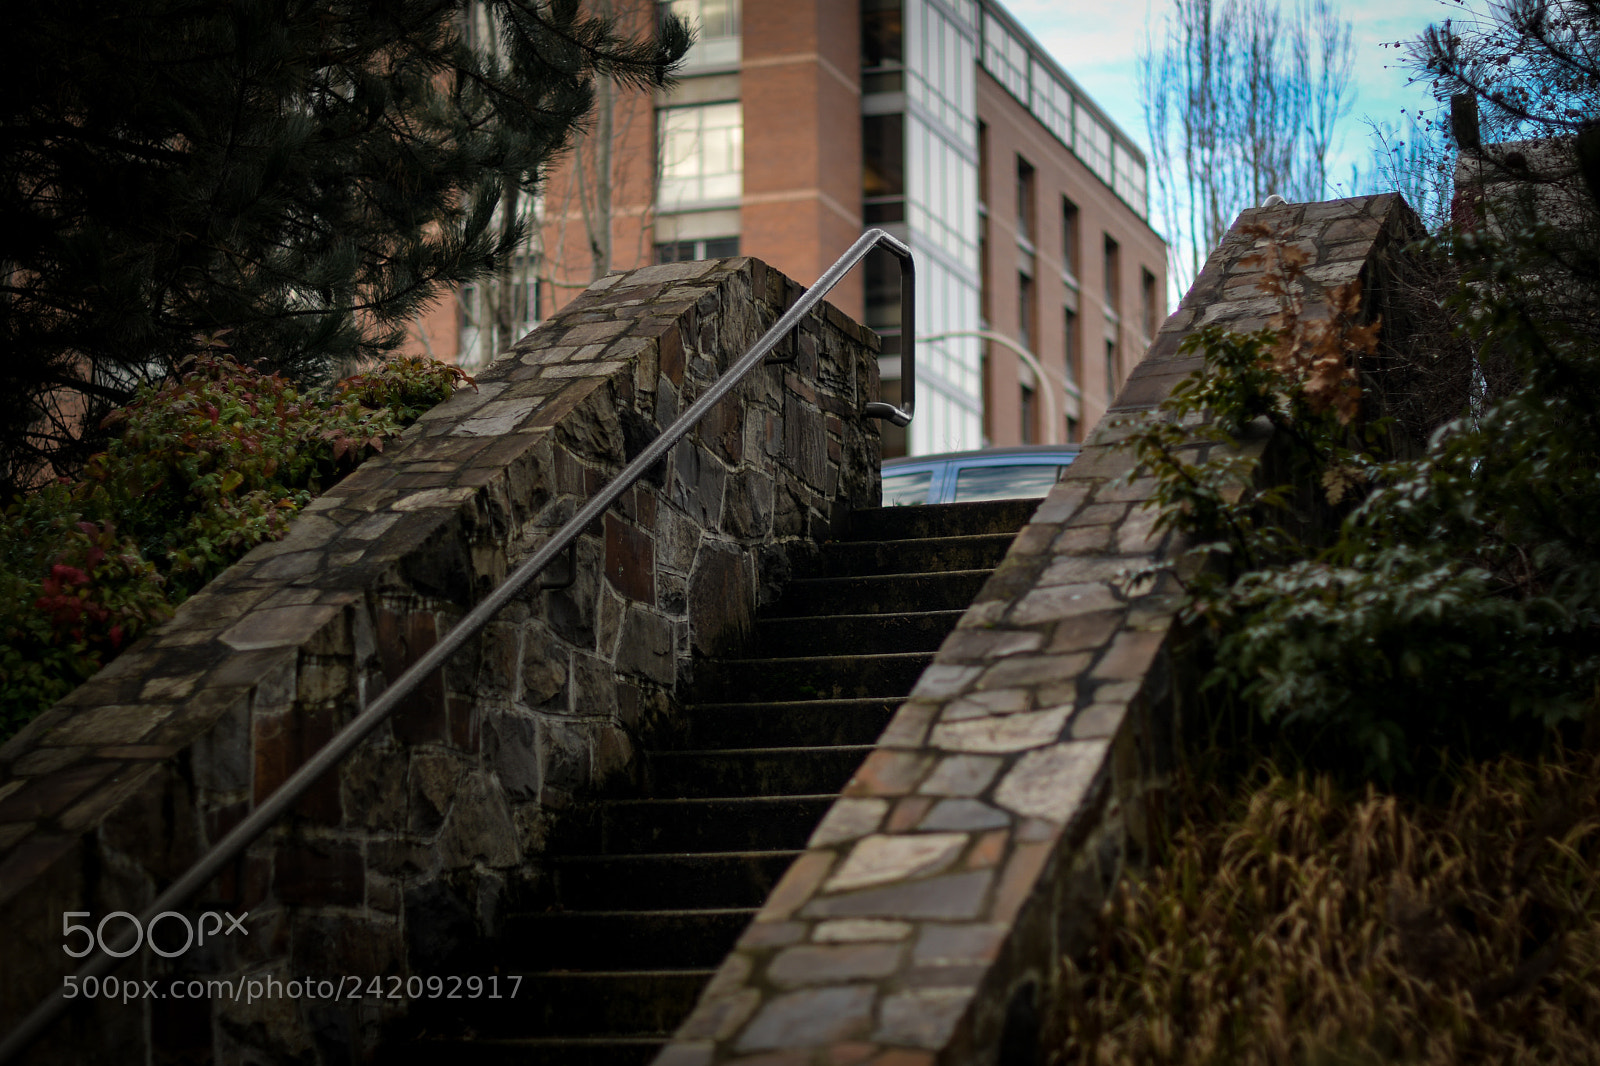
(649, 893)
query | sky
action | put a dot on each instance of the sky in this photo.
(1098, 42)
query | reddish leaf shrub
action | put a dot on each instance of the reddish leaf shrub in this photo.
(203, 469)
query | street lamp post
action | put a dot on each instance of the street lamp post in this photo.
(1039, 369)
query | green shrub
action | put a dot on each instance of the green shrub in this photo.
(1398, 608)
(202, 469)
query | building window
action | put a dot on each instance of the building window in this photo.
(1025, 211)
(702, 155)
(1113, 270)
(1069, 237)
(684, 251)
(983, 165)
(1149, 303)
(1111, 369)
(985, 281)
(883, 158)
(1070, 349)
(716, 32)
(1025, 311)
(882, 39)
(1027, 429)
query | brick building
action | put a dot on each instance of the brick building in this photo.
(795, 124)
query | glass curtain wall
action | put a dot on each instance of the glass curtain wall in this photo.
(925, 93)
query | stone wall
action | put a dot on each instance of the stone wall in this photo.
(1030, 767)
(411, 847)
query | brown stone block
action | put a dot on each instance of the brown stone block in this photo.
(722, 430)
(282, 743)
(402, 639)
(907, 813)
(888, 773)
(1021, 875)
(630, 560)
(989, 849)
(797, 885)
(672, 356)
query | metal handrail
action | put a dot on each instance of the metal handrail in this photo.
(330, 754)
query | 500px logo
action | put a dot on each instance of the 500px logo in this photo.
(193, 932)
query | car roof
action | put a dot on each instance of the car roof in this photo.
(1024, 451)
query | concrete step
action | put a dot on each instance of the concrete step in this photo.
(879, 594)
(523, 1051)
(677, 880)
(794, 723)
(815, 677)
(753, 771)
(654, 826)
(617, 1003)
(941, 520)
(624, 939)
(854, 634)
(568, 1003)
(931, 555)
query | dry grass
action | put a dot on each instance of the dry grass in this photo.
(1306, 926)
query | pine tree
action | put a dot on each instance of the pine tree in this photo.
(293, 178)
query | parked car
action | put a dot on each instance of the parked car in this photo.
(988, 474)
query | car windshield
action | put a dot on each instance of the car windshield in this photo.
(1003, 482)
